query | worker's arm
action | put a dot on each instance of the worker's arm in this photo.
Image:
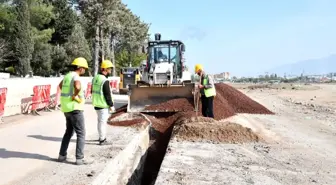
(107, 93)
(77, 85)
(91, 86)
(60, 84)
(210, 83)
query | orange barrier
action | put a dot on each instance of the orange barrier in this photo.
(41, 97)
(3, 93)
(88, 91)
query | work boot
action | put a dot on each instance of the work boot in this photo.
(103, 142)
(61, 158)
(83, 161)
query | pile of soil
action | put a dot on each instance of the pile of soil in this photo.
(238, 101)
(216, 132)
(227, 103)
(184, 104)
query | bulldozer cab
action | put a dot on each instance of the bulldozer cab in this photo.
(166, 51)
(163, 76)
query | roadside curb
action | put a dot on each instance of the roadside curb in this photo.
(120, 169)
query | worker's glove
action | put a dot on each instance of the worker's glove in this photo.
(112, 110)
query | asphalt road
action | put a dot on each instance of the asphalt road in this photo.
(26, 143)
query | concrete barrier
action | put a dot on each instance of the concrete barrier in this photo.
(20, 90)
(127, 165)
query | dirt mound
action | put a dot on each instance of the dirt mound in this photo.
(227, 103)
(239, 102)
(179, 104)
(218, 132)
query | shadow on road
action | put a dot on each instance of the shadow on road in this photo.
(49, 138)
(5, 154)
(58, 139)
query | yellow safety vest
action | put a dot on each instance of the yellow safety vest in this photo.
(211, 91)
(67, 104)
(98, 98)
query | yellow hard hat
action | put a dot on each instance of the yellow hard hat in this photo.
(198, 67)
(106, 64)
(80, 62)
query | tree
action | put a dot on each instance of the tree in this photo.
(64, 21)
(41, 16)
(59, 59)
(122, 59)
(24, 44)
(5, 52)
(77, 45)
(41, 63)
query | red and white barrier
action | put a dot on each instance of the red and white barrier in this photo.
(41, 98)
(88, 94)
(25, 95)
(3, 93)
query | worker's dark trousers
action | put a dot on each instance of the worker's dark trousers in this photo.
(74, 123)
(207, 106)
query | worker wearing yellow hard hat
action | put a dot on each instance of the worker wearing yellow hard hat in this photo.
(102, 99)
(72, 104)
(207, 90)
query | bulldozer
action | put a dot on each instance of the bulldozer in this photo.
(128, 75)
(164, 77)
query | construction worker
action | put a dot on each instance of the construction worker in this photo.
(207, 90)
(102, 99)
(72, 104)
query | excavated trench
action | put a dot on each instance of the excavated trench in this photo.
(160, 133)
(228, 102)
(156, 151)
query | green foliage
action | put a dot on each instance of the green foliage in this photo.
(41, 62)
(125, 59)
(46, 35)
(63, 22)
(59, 59)
(77, 46)
(24, 44)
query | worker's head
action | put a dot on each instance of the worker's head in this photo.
(198, 69)
(80, 65)
(106, 67)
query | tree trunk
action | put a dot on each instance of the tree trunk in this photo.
(102, 48)
(96, 52)
(112, 53)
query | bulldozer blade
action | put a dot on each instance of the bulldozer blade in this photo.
(142, 96)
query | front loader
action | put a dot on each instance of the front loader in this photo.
(164, 77)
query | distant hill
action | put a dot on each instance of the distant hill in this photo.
(309, 67)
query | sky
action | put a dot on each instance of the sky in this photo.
(243, 37)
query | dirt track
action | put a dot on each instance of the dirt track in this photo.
(300, 145)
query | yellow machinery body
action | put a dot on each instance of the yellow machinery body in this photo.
(128, 76)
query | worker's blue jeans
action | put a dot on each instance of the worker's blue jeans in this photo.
(74, 123)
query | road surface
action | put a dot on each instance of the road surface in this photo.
(28, 143)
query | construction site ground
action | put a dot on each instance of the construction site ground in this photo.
(299, 144)
(29, 147)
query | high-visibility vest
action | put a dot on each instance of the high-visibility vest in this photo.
(67, 104)
(98, 98)
(211, 91)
